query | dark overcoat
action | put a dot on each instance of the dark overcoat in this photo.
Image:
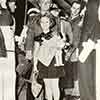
(91, 29)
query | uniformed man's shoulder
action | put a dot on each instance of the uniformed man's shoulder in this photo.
(5, 17)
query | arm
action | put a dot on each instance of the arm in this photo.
(29, 44)
(63, 31)
(67, 29)
(35, 53)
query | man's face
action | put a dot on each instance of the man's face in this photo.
(75, 9)
(45, 5)
(12, 6)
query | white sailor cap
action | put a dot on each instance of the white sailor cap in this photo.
(33, 11)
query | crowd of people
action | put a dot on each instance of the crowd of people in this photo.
(55, 47)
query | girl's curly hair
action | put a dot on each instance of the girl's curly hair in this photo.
(51, 18)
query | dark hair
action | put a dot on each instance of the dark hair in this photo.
(37, 19)
(52, 9)
(81, 2)
(53, 22)
(76, 1)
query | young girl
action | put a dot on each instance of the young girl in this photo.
(50, 74)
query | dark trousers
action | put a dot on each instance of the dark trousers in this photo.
(87, 78)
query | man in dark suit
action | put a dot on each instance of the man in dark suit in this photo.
(90, 36)
(64, 4)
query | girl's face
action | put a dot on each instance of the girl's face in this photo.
(45, 23)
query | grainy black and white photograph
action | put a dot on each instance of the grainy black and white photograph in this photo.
(49, 49)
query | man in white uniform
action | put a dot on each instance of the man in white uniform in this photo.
(7, 62)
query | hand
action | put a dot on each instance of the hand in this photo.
(84, 44)
(20, 42)
(28, 54)
(89, 44)
(67, 44)
(82, 13)
(35, 69)
(24, 31)
(17, 38)
(35, 60)
(97, 45)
